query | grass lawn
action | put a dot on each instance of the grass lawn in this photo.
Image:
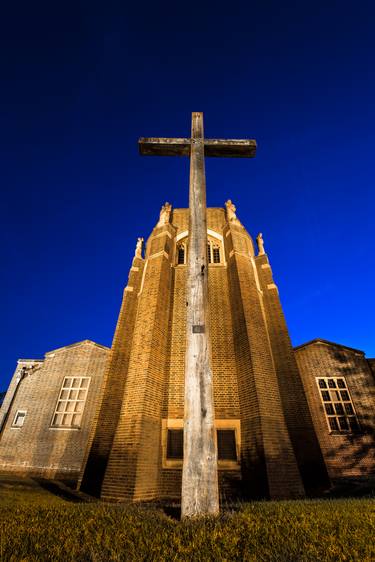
(40, 524)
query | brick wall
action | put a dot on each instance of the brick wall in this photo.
(346, 455)
(36, 447)
(269, 465)
(297, 414)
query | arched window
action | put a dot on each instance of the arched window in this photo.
(181, 253)
(213, 250)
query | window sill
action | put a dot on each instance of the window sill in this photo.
(345, 433)
(221, 465)
(62, 428)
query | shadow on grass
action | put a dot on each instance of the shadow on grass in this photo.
(63, 491)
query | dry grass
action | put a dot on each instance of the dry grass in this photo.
(37, 525)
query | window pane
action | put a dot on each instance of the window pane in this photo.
(175, 444)
(345, 395)
(67, 419)
(353, 424)
(67, 382)
(331, 383)
(19, 419)
(349, 409)
(70, 407)
(81, 394)
(341, 383)
(336, 395)
(75, 383)
(329, 409)
(60, 406)
(57, 420)
(322, 383)
(325, 396)
(76, 419)
(64, 394)
(216, 252)
(78, 407)
(73, 394)
(333, 424)
(181, 255)
(84, 383)
(343, 424)
(209, 252)
(339, 409)
(226, 445)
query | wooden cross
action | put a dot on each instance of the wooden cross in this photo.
(200, 494)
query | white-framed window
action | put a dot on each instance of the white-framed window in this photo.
(338, 406)
(181, 253)
(19, 418)
(214, 251)
(71, 402)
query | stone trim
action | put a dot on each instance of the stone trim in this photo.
(173, 423)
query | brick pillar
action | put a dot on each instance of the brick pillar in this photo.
(107, 416)
(295, 406)
(269, 466)
(134, 467)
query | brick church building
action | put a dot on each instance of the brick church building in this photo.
(289, 422)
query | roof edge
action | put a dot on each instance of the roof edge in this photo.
(75, 344)
(327, 342)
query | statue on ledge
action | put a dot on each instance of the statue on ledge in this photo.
(165, 214)
(260, 243)
(231, 210)
(138, 248)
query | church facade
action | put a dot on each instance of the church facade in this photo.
(288, 422)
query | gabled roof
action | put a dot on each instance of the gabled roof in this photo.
(329, 343)
(76, 344)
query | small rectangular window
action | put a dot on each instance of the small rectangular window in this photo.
(175, 444)
(19, 418)
(226, 445)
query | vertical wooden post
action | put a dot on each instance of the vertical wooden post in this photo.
(200, 495)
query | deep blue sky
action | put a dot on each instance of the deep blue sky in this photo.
(81, 81)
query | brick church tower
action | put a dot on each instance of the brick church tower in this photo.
(265, 438)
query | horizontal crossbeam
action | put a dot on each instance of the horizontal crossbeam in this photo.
(230, 148)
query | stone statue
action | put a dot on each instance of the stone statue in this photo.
(165, 213)
(231, 210)
(260, 243)
(138, 248)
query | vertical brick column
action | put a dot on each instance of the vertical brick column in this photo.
(294, 402)
(107, 416)
(134, 466)
(268, 460)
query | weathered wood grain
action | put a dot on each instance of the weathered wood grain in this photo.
(229, 148)
(200, 494)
